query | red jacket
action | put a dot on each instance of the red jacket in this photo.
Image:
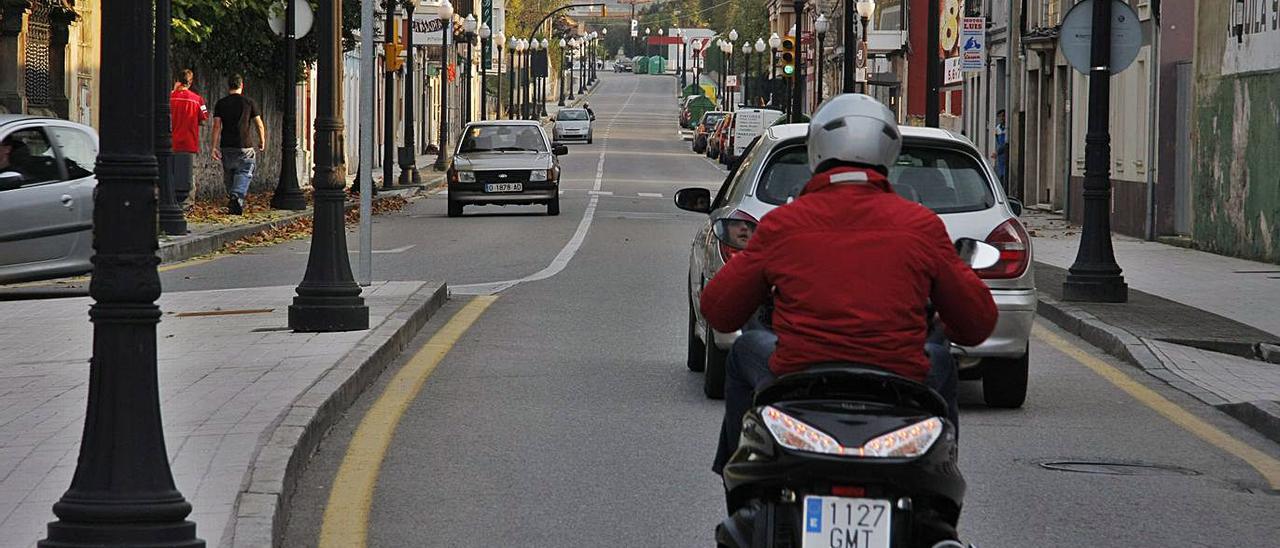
(187, 111)
(851, 266)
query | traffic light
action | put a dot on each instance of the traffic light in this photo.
(786, 60)
(392, 50)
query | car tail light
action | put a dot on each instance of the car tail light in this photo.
(1015, 251)
(726, 251)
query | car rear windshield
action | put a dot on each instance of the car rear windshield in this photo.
(503, 138)
(573, 115)
(944, 180)
(710, 120)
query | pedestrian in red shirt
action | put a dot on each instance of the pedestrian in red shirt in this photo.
(187, 112)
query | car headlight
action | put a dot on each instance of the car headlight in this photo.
(910, 441)
(538, 175)
(466, 176)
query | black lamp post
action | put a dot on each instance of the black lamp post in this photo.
(445, 11)
(682, 50)
(582, 65)
(484, 33)
(287, 195)
(525, 77)
(122, 493)
(595, 44)
(171, 219)
(797, 91)
(820, 29)
(746, 73)
(544, 52)
(775, 42)
(568, 64)
(499, 40)
(388, 106)
(933, 71)
(1095, 276)
(560, 100)
(328, 298)
(512, 44)
(865, 9)
(697, 52)
(469, 34)
(408, 153)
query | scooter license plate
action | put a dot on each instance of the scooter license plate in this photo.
(838, 522)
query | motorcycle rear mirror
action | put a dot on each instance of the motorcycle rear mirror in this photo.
(977, 254)
(734, 233)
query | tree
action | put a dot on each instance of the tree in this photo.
(232, 36)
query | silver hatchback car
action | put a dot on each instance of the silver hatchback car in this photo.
(572, 123)
(937, 168)
(46, 197)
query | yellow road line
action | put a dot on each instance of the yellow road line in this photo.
(191, 262)
(346, 517)
(1266, 465)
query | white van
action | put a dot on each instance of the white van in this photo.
(749, 123)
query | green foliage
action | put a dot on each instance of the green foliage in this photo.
(232, 36)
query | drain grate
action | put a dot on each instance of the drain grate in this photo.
(1117, 468)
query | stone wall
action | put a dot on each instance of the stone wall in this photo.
(207, 172)
(1236, 132)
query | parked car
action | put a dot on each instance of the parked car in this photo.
(572, 123)
(624, 64)
(704, 127)
(46, 197)
(505, 162)
(937, 168)
(716, 142)
(685, 113)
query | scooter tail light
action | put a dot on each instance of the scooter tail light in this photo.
(910, 441)
(793, 433)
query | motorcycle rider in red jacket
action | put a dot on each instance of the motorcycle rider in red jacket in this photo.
(851, 268)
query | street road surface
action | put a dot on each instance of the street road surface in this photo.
(557, 411)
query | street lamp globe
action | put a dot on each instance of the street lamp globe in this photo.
(485, 31)
(646, 30)
(733, 35)
(760, 45)
(513, 43)
(822, 24)
(746, 48)
(866, 8)
(500, 38)
(660, 32)
(563, 43)
(469, 24)
(521, 45)
(446, 10)
(604, 30)
(775, 41)
(545, 44)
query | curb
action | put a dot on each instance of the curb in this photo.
(1261, 416)
(203, 244)
(262, 505)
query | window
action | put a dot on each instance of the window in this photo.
(79, 152)
(503, 138)
(570, 115)
(946, 181)
(735, 187)
(28, 153)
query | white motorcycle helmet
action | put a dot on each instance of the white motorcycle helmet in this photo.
(853, 128)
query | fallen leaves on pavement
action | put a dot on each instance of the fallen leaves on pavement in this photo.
(301, 227)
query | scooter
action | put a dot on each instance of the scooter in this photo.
(846, 456)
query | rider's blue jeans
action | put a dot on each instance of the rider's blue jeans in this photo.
(747, 368)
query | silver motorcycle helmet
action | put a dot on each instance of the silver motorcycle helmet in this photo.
(853, 128)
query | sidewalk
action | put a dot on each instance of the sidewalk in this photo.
(244, 400)
(1204, 323)
(206, 238)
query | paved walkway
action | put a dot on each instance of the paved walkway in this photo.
(1194, 319)
(229, 373)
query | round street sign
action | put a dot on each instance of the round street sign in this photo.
(1077, 31)
(302, 18)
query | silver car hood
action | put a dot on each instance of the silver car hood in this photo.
(573, 124)
(486, 161)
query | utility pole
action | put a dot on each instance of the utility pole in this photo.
(933, 73)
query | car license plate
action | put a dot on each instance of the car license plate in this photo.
(845, 523)
(504, 187)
